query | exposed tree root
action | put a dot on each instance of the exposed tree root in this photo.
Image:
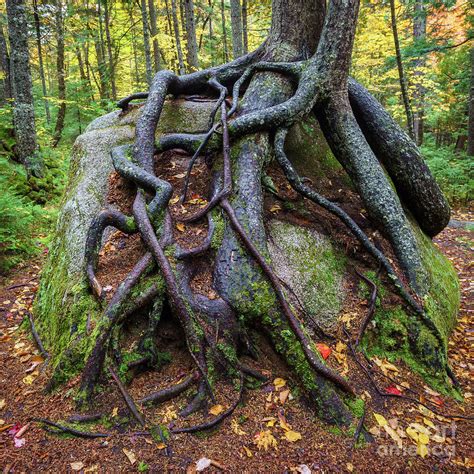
(211, 327)
(371, 310)
(34, 332)
(69, 430)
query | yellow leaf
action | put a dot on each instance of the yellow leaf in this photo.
(161, 446)
(429, 423)
(279, 383)
(270, 421)
(293, 436)
(29, 379)
(77, 465)
(180, 226)
(180, 175)
(394, 435)
(349, 466)
(412, 433)
(174, 200)
(236, 428)
(2, 403)
(421, 450)
(380, 419)
(248, 452)
(114, 412)
(264, 440)
(216, 410)
(130, 455)
(423, 438)
(169, 415)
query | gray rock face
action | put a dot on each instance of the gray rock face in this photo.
(312, 267)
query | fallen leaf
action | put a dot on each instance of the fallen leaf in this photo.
(282, 422)
(22, 431)
(265, 439)
(180, 226)
(303, 469)
(174, 200)
(324, 350)
(393, 390)
(279, 383)
(275, 208)
(394, 435)
(293, 436)
(216, 410)
(202, 464)
(421, 450)
(270, 421)
(169, 415)
(77, 465)
(19, 442)
(248, 452)
(284, 394)
(115, 412)
(380, 419)
(2, 403)
(236, 428)
(349, 467)
(130, 455)
(161, 446)
(412, 433)
(180, 175)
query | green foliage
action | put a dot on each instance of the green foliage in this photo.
(454, 172)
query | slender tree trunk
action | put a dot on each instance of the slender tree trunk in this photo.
(192, 49)
(61, 72)
(401, 74)
(245, 27)
(100, 53)
(5, 83)
(23, 109)
(419, 35)
(109, 50)
(174, 14)
(40, 59)
(146, 43)
(154, 32)
(236, 26)
(470, 130)
(224, 34)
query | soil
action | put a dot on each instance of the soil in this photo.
(275, 411)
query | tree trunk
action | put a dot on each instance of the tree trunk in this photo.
(401, 73)
(177, 39)
(192, 48)
(40, 60)
(245, 27)
(5, 84)
(470, 128)
(103, 84)
(236, 26)
(146, 43)
(61, 73)
(109, 50)
(419, 35)
(224, 33)
(154, 33)
(26, 147)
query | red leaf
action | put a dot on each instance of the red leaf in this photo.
(393, 390)
(324, 350)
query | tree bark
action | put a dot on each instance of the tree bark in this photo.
(146, 43)
(154, 33)
(245, 27)
(192, 48)
(236, 26)
(179, 50)
(224, 34)
(40, 60)
(61, 73)
(470, 130)
(109, 50)
(103, 85)
(419, 35)
(23, 109)
(5, 85)
(401, 73)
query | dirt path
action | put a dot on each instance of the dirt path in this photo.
(273, 414)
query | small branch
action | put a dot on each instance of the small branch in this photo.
(358, 431)
(69, 430)
(36, 337)
(128, 399)
(170, 392)
(371, 311)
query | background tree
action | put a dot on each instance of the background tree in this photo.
(26, 147)
(236, 26)
(191, 43)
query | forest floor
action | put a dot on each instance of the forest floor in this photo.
(272, 430)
